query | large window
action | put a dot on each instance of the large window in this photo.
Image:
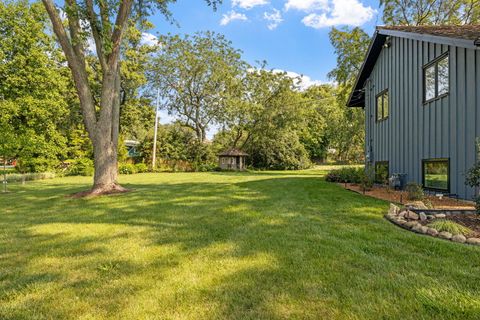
(382, 106)
(436, 79)
(382, 172)
(436, 174)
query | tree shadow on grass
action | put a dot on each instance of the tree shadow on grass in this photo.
(274, 248)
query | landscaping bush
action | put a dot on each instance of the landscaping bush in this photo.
(80, 167)
(472, 179)
(415, 191)
(127, 168)
(449, 226)
(367, 178)
(141, 168)
(346, 174)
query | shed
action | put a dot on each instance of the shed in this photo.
(232, 159)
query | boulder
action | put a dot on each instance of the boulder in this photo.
(417, 228)
(459, 238)
(422, 216)
(440, 215)
(411, 224)
(424, 229)
(411, 215)
(417, 205)
(402, 213)
(445, 235)
(432, 232)
(395, 210)
(475, 241)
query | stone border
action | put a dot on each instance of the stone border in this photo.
(408, 219)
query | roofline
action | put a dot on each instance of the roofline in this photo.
(457, 42)
(450, 41)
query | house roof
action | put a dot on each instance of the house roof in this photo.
(459, 36)
(233, 153)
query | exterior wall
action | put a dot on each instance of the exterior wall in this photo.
(444, 128)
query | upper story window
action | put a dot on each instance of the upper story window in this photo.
(436, 79)
(382, 105)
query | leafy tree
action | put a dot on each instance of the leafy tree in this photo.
(105, 22)
(430, 12)
(266, 118)
(33, 88)
(350, 47)
(194, 75)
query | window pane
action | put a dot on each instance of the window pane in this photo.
(443, 76)
(379, 108)
(436, 175)
(385, 105)
(430, 83)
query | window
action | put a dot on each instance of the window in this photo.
(436, 79)
(382, 106)
(436, 174)
(382, 172)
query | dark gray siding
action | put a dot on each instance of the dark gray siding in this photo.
(444, 128)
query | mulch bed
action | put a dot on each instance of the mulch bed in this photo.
(401, 197)
(471, 221)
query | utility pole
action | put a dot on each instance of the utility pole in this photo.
(154, 154)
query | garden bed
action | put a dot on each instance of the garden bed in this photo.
(401, 197)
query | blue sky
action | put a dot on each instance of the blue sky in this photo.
(291, 35)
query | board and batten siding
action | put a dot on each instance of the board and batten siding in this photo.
(444, 128)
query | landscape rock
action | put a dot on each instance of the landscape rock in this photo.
(417, 228)
(459, 238)
(395, 210)
(432, 232)
(424, 229)
(430, 217)
(411, 224)
(411, 215)
(422, 216)
(445, 235)
(475, 241)
(440, 215)
(402, 213)
(417, 205)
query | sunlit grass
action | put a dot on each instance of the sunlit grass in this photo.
(252, 245)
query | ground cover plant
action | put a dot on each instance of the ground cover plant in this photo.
(265, 245)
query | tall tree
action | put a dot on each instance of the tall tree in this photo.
(430, 12)
(194, 75)
(33, 86)
(350, 47)
(105, 22)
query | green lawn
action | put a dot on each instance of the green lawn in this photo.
(223, 246)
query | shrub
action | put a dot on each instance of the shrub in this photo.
(346, 174)
(37, 165)
(450, 226)
(415, 191)
(367, 178)
(80, 167)
(127, 168)
(18, 177)
(141, 167)
(472, 179)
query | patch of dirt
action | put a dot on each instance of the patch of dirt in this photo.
(401, 197)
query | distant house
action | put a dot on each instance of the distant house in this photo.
(420, 89)
(232, 159)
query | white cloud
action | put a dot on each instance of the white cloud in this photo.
(328, 13)
(248, 4)
(307, 5)
(304, 82)
(232, 16)
(274, 18)
(149, 39)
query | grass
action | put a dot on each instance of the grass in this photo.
(449, 226)
(268, 245)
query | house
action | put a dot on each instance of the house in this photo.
(232, 159)
(420, 90)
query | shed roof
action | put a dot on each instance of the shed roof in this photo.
(233, 153)
(459, 36)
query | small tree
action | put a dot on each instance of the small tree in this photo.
(472, 178)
